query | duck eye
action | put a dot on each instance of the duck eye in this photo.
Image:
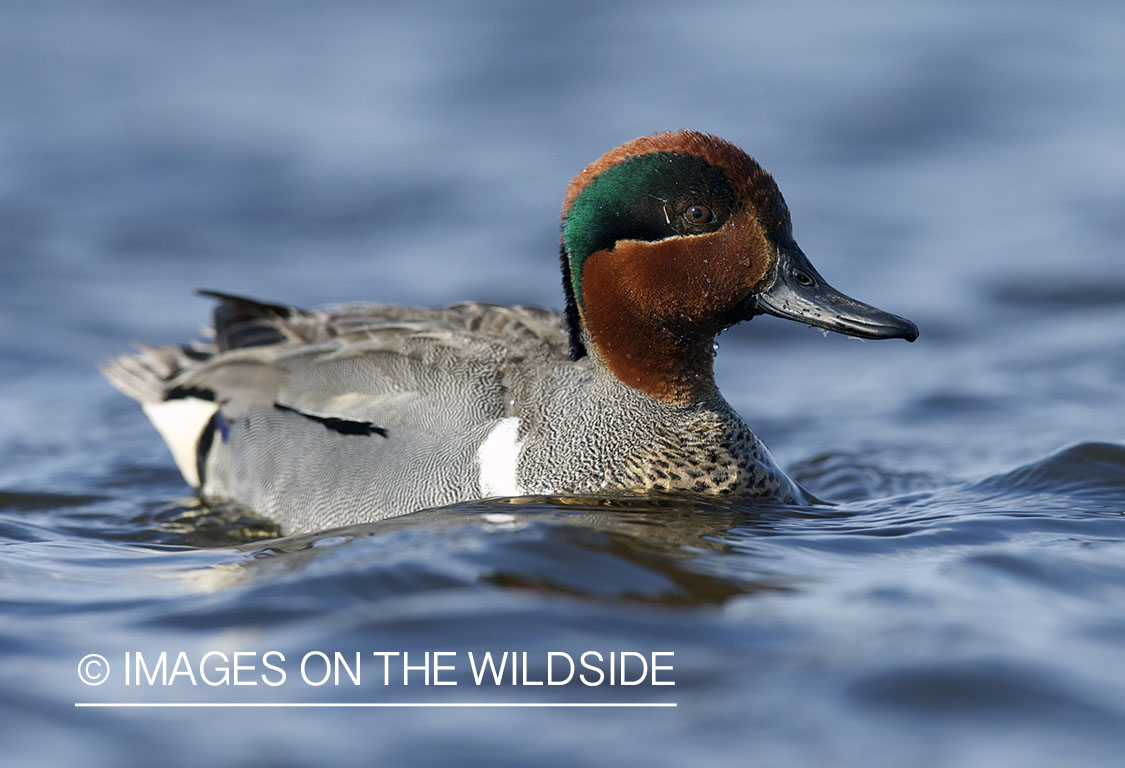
(698, 214)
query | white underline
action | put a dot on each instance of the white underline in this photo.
(380, 704)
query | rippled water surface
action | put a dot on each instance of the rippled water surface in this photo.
(958, 163)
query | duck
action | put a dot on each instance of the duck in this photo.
(364, 411)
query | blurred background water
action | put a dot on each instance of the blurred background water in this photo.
(955, 162)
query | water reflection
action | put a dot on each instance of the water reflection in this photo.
(635, 549)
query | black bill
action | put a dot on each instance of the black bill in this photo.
(799, 293)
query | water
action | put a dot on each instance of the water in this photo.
(956, 163)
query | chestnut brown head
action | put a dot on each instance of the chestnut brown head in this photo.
(671, 238)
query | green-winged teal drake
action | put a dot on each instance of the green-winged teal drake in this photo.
(326, 418)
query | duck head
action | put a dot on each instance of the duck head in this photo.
(668, 240)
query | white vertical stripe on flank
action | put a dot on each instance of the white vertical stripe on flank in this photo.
(499, 456)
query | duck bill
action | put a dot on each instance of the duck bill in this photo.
(798, 292)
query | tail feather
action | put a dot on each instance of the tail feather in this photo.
(238, 322)
(181, 420)
(144, 376)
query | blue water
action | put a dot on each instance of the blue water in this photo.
(958, 163)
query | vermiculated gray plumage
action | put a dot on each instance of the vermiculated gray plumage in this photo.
(369, 411)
